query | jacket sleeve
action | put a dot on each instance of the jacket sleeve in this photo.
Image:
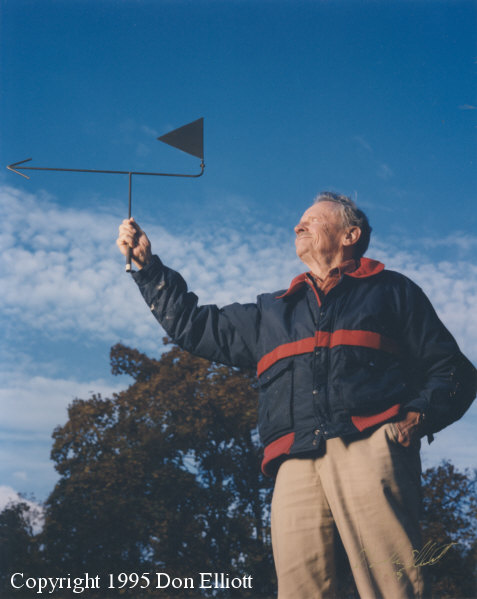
(227, 335)
(443, 380)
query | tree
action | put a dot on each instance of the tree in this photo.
(449, 528)
(19, 548)
(164, 475)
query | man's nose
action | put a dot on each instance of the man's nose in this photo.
(300, 227)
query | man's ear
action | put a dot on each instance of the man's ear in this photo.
(351, 235)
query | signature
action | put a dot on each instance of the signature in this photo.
(429, 555)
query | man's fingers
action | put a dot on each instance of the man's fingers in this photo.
(406, 433)
(128, 230)
(128, 239)
(130, 233)
(129, 224)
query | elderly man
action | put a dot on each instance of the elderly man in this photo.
(354, 367)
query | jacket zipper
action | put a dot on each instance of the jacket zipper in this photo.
(318, 430)
(332, 308)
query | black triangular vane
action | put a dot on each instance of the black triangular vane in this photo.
(188, 138)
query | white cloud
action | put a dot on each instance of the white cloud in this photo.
(462, 241)
(32, 407)
(62, 272)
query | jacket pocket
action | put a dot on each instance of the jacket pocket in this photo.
(369, 380)
(275, 410)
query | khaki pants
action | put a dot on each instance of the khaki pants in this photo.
(367, 491)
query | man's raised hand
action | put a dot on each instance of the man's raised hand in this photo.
(132, 236)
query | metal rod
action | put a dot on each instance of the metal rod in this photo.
(10, 167)
(128, 253)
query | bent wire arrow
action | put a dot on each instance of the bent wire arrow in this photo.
(189, 139)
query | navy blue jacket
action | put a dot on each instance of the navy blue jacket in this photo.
(370, 349)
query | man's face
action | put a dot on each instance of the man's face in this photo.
(319, 234)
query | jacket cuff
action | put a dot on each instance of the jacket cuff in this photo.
(417, 405)
(143, 276)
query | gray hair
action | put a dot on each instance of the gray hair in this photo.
(351, 216)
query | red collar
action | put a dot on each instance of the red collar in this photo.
(367, 268)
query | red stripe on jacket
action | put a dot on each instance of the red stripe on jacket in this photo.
(364, 422)
(327, 339)
(277, 448)
(283, 445)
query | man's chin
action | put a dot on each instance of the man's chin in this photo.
(301, 245)
(302, 255)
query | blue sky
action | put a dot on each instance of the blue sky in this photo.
(374, 99)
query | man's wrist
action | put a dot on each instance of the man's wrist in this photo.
(144, 274)
(142, 263)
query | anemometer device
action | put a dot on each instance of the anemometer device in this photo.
(189, 139)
